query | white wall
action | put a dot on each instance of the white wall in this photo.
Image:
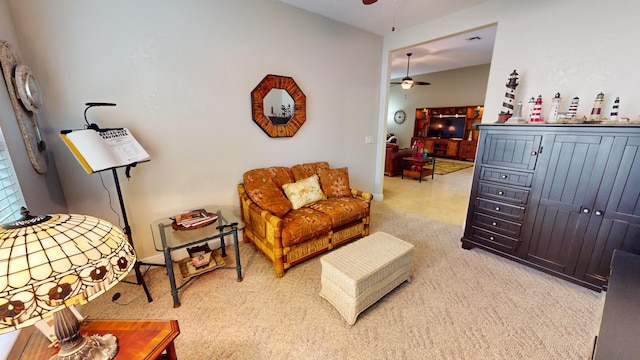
(42, 193)
(181, 73)
(459, 87)
(575, 47)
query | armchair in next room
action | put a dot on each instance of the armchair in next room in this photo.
(393, 159)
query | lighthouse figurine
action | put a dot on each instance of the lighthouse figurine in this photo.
(532, 103)
(509, 98)
(573, 108)
(614, 111)
(555, 105)
(537, 108)
(596, 111)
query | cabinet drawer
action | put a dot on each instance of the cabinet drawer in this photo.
(495, 240)
(500, 209)
(503, 193)
(510, 177)
(501, 226)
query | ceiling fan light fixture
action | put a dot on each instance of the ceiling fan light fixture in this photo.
(406, 84)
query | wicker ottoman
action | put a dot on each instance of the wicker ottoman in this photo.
(357, 275)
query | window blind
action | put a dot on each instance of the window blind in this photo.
(11, 199)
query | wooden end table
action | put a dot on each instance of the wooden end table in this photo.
(137, 339)
(422, 171)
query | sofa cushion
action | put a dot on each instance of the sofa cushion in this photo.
(303, 171)
(342, 210)
(255, 178)
(303, 224)
(335, 182)
(304, 192)
(269, 197)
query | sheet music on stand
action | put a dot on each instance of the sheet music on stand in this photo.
(104, 149)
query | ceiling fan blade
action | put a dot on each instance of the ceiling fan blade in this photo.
(421, 83)
(368, 2)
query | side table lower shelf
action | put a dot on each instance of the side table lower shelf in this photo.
(422, 167)
(188, 270)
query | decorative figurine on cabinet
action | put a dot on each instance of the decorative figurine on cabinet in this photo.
(570, 116)
(537, 108)
(532, 103)
(517, 115)
(614, 111)
(555, 105)
(509, 97)
(596, 111)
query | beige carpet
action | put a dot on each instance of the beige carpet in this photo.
(460, 305)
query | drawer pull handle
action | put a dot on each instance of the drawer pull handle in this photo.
(500, 192)
(494, 223)
(504, 176)
(598, 213)
(586, 211)
(534, 153)
(497, 208)
(492, 238)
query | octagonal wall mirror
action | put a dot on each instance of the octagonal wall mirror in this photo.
(278, 106)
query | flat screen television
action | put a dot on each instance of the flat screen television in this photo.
(446, 127)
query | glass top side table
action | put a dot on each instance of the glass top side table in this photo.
(166, 239)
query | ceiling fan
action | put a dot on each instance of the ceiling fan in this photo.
(407, 82)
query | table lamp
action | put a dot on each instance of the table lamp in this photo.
(50, 262)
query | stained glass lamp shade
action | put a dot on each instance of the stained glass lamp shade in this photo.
(50, 262)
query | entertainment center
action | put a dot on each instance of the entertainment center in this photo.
(448, 131)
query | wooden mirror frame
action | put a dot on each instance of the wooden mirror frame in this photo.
(299, 101)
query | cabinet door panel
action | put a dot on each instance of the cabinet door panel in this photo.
(575, 168)
(596, 259)
(624, 197)
(510, 150)
(573, 176)
(615, 222)
(554, 243)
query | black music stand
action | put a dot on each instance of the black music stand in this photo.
(127, 231)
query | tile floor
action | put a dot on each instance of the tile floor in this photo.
(445, 198)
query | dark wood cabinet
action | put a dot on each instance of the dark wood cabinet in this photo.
(442, 147)
(467, 150)
(454, 139)
(559, 198)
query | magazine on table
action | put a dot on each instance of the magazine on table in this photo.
(194, 218)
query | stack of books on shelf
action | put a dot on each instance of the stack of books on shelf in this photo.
(194, 218)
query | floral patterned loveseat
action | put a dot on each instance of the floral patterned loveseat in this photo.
(293, 214)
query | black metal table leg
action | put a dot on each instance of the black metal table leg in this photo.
(172, 278)
(237, 251)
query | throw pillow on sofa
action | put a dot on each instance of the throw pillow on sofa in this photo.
(335, 182)
(269, 197)
(304, 192)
